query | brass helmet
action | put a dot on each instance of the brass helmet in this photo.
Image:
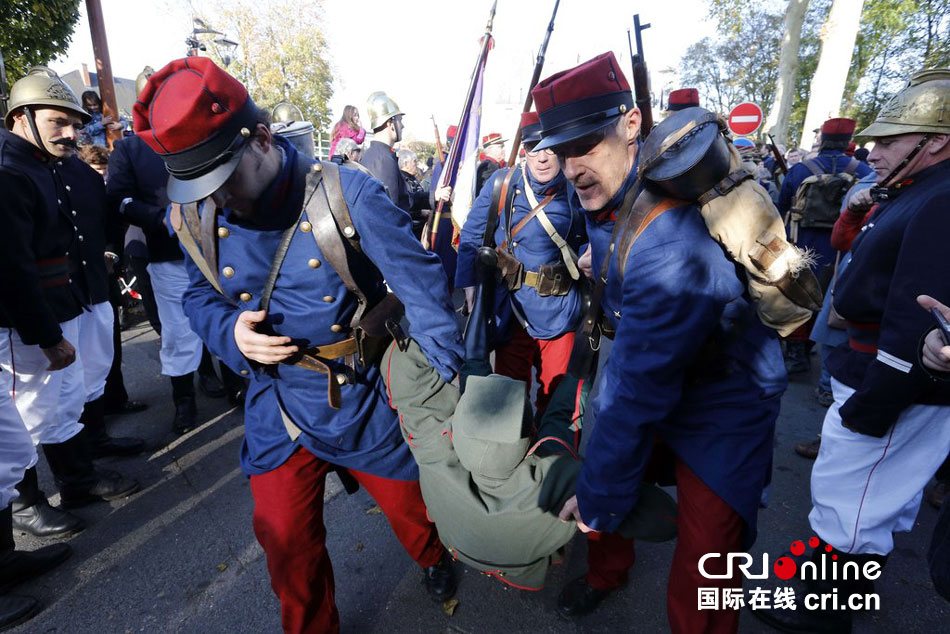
(381, 109)
(285, 111)
(142, 79)
(923, 105)
(43, 87)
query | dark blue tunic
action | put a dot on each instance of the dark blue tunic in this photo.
(545, 317)
(679, 292)
(308, 299)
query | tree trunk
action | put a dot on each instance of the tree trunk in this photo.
(827, 85)
(780, 110)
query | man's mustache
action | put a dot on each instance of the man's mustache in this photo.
(65, 142)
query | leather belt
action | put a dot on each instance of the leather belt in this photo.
(53, 272)
(531, 278)
(316, 358)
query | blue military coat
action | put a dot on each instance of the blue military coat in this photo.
(544, 317)
(818, 240)
(717, 414)
(309, 299)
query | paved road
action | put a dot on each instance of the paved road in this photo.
(181, 557)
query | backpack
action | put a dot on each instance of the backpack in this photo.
(817, 202)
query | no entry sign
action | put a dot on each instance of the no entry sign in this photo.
(745, 118)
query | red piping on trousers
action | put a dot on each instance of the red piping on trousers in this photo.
(866, 485)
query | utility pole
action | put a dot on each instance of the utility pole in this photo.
(100, 48)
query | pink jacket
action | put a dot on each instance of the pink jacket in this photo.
(346, 132)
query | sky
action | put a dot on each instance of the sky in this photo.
(422, 52)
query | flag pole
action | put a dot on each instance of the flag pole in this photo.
(454, 157)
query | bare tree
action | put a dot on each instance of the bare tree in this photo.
(827, 85)
(781, 108)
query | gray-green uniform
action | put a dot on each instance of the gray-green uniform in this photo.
(493, 498)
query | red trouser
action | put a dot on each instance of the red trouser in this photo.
(288, 523)
(706, 525)
(549, 356)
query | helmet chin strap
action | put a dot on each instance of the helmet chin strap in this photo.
(36, 133)
(881, 192)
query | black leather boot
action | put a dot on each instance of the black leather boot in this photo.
(79, 482)
(103, 445)
(33, 514)
(208, 381)
(17, 610)
(440, 579)
(579, 598)
(19, 566)
(186, 411)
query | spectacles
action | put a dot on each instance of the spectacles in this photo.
(530, 151)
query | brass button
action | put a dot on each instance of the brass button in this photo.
(305, 227)
(317, 167)
(514, 244)
(341, 379)
(223, 232)
(328, 298)
(313, 263)
(349, 232)
(245, 297)
(245, 372)
(336, 328)
(227, 271)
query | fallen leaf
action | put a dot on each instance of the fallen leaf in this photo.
(449, 606)
(222, 567)
(359, 546)
(375, 510)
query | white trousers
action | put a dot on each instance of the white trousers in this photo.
(17, 453)
(50, 403)
(96, 348)
(864, 489)
(181, 347)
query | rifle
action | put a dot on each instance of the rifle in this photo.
(535, 78)
(4, 95)
(438, 141)
(779, 159)
(641, 79)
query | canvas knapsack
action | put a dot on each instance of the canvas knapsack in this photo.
(817, 201)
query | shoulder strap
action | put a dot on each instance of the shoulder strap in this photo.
(570, 259)
(813, 166)
(538, 208)
(333, 230)
(209, 232)
(187, 240)
(648, 207)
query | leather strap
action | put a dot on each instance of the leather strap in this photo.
(499, 202)
(187, 240)
(209, 237)
(567, 255)
(640, 219)
(528, 218)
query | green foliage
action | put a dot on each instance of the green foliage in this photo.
(423, 149)
(35, 32)
(281, 55)
(739, 65)
(896, 38)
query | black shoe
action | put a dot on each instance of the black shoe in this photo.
(128, 407)
(107, 445)
(19, 566)
(110, 485)
(802, 621)
(440, 580)
(809, 449)
(43, 520)
(186, 415)
(17, 610)
(579, 598)
(796, 358)
(210, 385)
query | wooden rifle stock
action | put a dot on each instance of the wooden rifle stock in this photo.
(779, 159)
(641, 79)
